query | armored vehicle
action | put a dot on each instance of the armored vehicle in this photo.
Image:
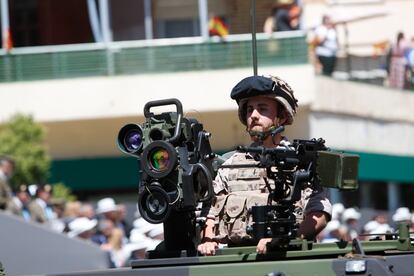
(177, 168)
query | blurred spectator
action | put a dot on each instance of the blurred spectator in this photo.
(18, 205)
(82, 228)
(337, 210)
(87, 211)
(157, 233)
(142, 226)
(104, 231)
(269, 25)
(412, 226)
(59, 206)
(285, 16)
(402, 214)
(58, 223)
(409, 56)
(107, 209)
(139, 244)
(40, 209)
(72, 210)
(397, 64)
(123, 223)
(7, 166)
(137, 250)
(333, 232)
(378, 225)
(114, 246)
(325, 43)
(350, 219)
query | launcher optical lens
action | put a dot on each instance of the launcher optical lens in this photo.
(154, 204)
(130, 139)
(160, 159)
(133, 140)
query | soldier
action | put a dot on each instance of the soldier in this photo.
(18, 205)
(7, 166)
(41, 209)
(265, 103)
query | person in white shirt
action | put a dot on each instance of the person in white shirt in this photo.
(326, 45)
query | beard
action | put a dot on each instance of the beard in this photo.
(258, 132)
(256, 127)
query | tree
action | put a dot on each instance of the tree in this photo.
(22, 139)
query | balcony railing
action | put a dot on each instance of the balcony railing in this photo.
(150, 56)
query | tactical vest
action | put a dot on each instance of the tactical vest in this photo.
(244, 188)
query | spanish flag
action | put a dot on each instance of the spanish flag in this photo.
(217, 26)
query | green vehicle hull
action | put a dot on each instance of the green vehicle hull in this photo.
(380, 257)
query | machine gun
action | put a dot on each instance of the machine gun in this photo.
(305, 164)
(175, 173)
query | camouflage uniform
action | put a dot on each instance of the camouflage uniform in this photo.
(237, 189)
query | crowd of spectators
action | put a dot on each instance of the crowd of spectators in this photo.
(104, 225)
(346, 224)
(397, 56)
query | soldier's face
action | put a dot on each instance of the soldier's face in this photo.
(261, 113)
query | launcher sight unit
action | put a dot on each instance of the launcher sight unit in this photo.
(175, 171)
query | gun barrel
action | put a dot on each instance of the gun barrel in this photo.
(263, 150)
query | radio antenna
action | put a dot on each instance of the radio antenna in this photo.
(253, 25)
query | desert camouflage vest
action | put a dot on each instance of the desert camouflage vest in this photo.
(246, 187)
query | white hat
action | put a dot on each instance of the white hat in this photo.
(381, 229)
(402, 214)
(158, 230)
(136, 236)
(350, 213)
(332, 226)
(370, 226)
(148, 244)
(337, 210)
(138, 241)
(152, 244)
(106, 205)
(32, 189)
(80, 225)
(143, 226)
(131, 247)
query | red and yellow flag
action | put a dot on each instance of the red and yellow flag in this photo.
(217, 26)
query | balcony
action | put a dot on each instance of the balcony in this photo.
(150, 56)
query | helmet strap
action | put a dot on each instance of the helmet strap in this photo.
(273, 131)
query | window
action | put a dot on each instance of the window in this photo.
(178, 28)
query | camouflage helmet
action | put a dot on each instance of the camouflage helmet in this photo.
(269, 86)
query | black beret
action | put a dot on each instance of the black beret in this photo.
(252, 86)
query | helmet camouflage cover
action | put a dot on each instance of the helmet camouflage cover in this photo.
(270, 86)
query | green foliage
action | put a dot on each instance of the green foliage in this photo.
(22, 139)
(62, 192)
